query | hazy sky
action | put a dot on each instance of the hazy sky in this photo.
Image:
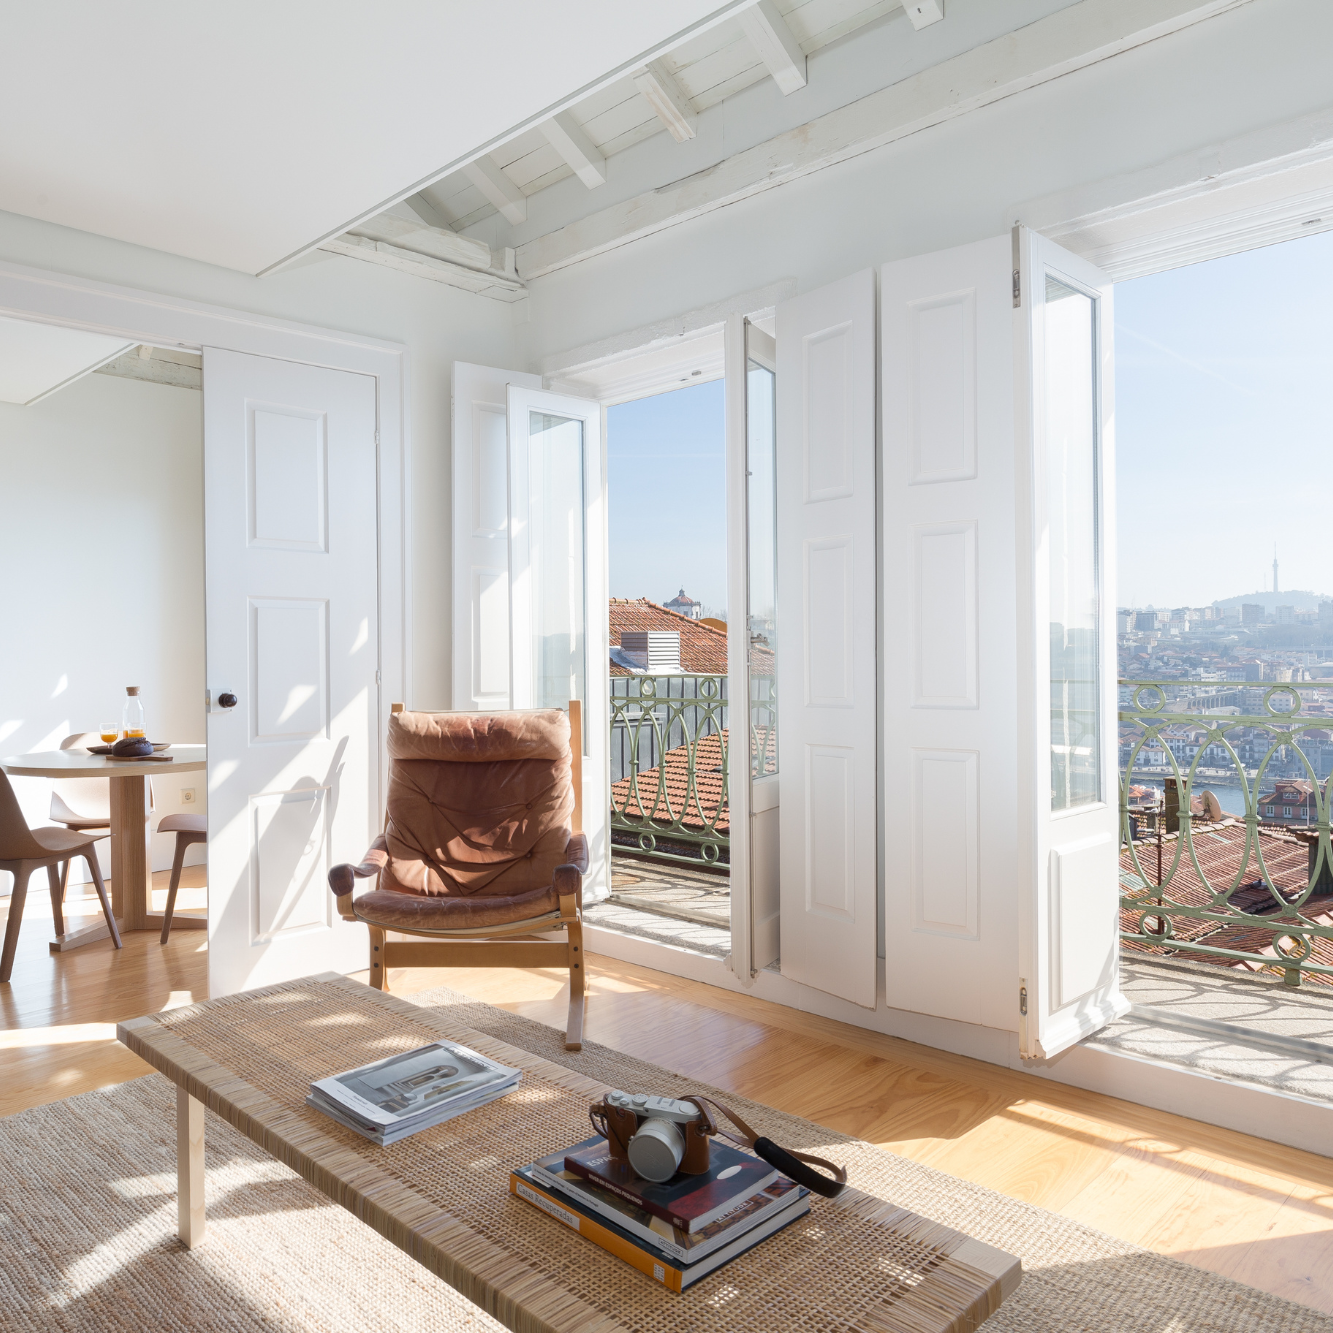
(1224, 440)
(1224, 426)
(668, 503)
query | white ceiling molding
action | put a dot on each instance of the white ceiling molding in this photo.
(488, 176)
(924, 12)
(664, 95)
(566, 136)
(1272, 185)
(1070, 39)
(774, 44)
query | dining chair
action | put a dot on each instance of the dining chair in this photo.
(81, 804)
(23, 850)
(482, 844)
(188, 829)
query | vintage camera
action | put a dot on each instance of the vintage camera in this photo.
(657, 1136)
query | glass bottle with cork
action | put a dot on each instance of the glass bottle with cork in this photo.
(131, 718)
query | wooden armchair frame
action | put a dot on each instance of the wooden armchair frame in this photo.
(488, 946)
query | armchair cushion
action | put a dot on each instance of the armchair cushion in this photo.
(479, 804)
(417, 912)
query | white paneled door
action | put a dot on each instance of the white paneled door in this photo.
(826, 670)
(481, 534)
(290, 541)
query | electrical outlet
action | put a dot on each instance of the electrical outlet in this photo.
(187, 795)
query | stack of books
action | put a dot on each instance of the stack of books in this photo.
(676, 1232)
(404, 1094)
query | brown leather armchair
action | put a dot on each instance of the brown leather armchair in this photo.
(482, 843)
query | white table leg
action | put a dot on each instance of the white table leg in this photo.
(189, 1168)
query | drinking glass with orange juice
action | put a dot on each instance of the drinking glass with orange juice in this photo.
(108, 732)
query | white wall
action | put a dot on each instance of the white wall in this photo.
(102, 551)
(437, 323)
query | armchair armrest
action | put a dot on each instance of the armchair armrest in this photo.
(568, 879)
(342, 878)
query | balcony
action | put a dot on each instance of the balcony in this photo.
(1224, 818)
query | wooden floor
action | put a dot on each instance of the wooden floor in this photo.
(1240, 1206)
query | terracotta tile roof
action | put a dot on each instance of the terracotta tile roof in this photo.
(664, 793)
(1220, 850)
(703, 649)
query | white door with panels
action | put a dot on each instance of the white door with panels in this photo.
(826, 668)
(292, 626)
(481, 534)
(530, 573)
(1000, 832)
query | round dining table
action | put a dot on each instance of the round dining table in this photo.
(131, 864)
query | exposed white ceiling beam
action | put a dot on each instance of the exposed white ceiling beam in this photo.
(566, 136)
(774, 44)
(495, 283)
(924, 12)
(1070, 39)
(664, 95)
(162, 365)
(487, 175)
(403, 228)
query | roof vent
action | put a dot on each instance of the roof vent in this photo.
(653, 650)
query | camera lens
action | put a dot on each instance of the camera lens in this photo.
(656, 1150)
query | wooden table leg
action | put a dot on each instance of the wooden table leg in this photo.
(189, 1168)
(131, 867)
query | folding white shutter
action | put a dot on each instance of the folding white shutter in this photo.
(952, 804)
(826, 636)
(481, 535)
(992, 903)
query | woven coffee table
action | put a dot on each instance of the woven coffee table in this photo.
(854, 1263)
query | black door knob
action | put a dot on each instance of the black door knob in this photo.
(226, 701)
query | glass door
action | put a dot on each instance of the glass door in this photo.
(558, 584)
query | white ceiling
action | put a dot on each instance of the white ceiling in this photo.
(244, 133)
(37, 359)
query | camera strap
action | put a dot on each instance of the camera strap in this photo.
(796, 1165)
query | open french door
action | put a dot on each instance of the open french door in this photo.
(1000, 821)
(530, 571)
(292, 621)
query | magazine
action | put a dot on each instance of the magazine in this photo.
(404, 1094)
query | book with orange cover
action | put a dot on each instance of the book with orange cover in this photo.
(649, 1259)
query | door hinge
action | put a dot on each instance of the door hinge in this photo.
(377, 679)
(1023, 1000)
(1018, 281)
(377, 434)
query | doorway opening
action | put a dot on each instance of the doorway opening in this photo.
(1225, 642)
(670, 714)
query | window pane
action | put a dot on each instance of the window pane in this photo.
(761, 464)
(1071, 490)
(556, 546)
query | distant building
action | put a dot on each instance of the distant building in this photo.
(1292, 801)
(1286, 615)
(1145, 620)
(685, 606)
(1251, 613)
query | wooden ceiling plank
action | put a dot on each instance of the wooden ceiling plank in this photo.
(663, 94)
(773, 42)
(569, 140)
(500, 191)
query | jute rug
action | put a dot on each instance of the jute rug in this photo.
(88, 1211)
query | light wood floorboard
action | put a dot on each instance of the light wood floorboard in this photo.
(1250, 1209)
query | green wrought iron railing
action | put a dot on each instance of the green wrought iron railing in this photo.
(669, 748)
(1208, 869)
